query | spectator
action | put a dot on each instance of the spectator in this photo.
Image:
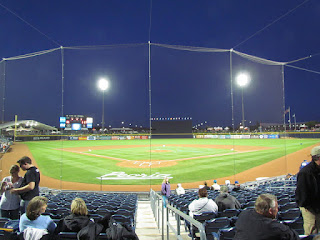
(237, 186)
(33, 218)
(203, 204)
(228, 184)
(30, 184)
(215, 186)
(206, 186)
(261, 223)
(77, 219)
(308, 193)
(303, 164)
(225, 201)
(10, 203)
(180, 190)
(165, 191)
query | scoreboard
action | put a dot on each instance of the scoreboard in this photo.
(76, 122)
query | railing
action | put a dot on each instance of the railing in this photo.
(159, 214)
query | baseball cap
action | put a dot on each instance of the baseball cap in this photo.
(215, 181)
(315, 151)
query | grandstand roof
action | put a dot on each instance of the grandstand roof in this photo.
(26, 125)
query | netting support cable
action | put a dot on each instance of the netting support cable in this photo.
(100, 47)
(30, 25)
(190, 48)
(304, 69)
(32, 54)
(270, 24)
(258, 59)
(3, 91)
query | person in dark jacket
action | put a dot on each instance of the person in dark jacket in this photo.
(226, 201)
(308, 193)
(260, 222)
(78, 218)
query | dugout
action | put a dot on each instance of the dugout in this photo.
(171, 129)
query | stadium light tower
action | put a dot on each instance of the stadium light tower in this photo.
(103, 85)
(242, 80)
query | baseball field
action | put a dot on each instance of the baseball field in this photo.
(146, 162)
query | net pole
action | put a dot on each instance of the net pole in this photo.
(62, 110)
(150, 106)
(3, 91)
(284, 116)
(232, 110)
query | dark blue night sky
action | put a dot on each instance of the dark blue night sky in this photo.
(185, 82)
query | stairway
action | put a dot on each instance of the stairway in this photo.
(146, 226)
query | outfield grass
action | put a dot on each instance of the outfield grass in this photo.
(77, 167)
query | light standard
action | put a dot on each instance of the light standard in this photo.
(242, 81)
(103, 85)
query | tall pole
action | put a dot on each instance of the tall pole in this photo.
(242, 109)
(102, 122)
(295, 122)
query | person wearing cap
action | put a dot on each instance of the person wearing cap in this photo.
(180, 190)
(215, 186)
(304, 163)
(30, 183)
(226, 201)
(308, 193)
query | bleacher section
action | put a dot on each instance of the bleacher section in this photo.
(223, 224)
(121, 207)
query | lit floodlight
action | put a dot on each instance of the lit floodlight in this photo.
(243, 79)
(103, 84)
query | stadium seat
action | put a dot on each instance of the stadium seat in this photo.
(229, 213)
(288, 205)
(296, 224)
(227, 233)
(215, 225)
(67, 235)
(289, 214)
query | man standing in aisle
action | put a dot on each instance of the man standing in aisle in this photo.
(30, 184)
(308, 193)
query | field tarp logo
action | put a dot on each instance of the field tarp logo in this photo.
(124, 176)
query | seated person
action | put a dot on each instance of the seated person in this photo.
(237, 186)
(203, 204)
(33, 218)
(180, 190)
(206, 186)
(261, 222)
(77, 219)
(215, 186)
(225, 201)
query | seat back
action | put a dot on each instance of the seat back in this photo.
(290, 214)
(227, 233)
(216, 224)
(230, 213)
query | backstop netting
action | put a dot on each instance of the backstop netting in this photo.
(233, 128)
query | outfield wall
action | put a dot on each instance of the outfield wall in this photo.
(25, 138)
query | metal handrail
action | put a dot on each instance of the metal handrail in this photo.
(158, 207)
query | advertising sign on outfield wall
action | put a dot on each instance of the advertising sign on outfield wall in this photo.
(82, 138)
(73, 138)
(115, 138)
(91, 138)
